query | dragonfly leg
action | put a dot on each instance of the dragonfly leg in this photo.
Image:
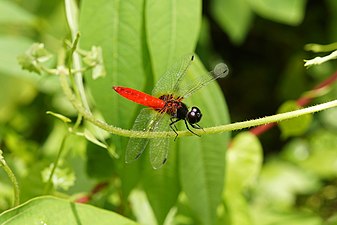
(188, 128)
(197, 126)
(173, 122)
(173, 126)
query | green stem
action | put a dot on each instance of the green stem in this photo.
(210, 130)
(321, 48)
(50, 179)
(13, 179)
(271, 119)
(74, 59)
(72, 19)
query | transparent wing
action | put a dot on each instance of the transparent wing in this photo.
(146, 120)
(180, 79)
(169, 82)
(159, 146)
(196, 81)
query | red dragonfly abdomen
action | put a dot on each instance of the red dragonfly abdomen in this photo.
(140, 97)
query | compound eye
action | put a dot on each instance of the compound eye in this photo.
(194, 116)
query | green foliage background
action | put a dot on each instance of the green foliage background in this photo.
(287, 175)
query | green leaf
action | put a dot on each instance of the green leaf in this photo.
(332, 219)
(280, 182)
(296, 126)
(202, 159)
(12, 13)
(99, 163)
(238, 209)
(14, 92)
(118, 28)
(50, 210)
(328, 118)
(128, 31)
(321, 154)
(11, 47)
(244, 161)
(90, 137)
(296, 150)
(332, 6)
(59, 116)
(268, 216)
(141, 208)
(162, 186)
(286, 11)
(172, 30)
(234, 16)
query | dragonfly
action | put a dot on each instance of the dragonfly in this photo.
(165, 108)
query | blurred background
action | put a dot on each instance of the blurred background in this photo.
(262, 42)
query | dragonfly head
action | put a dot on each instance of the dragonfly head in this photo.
(194, 115)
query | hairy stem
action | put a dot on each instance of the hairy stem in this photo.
(50, 179)
(304, 100)
(12, 177)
